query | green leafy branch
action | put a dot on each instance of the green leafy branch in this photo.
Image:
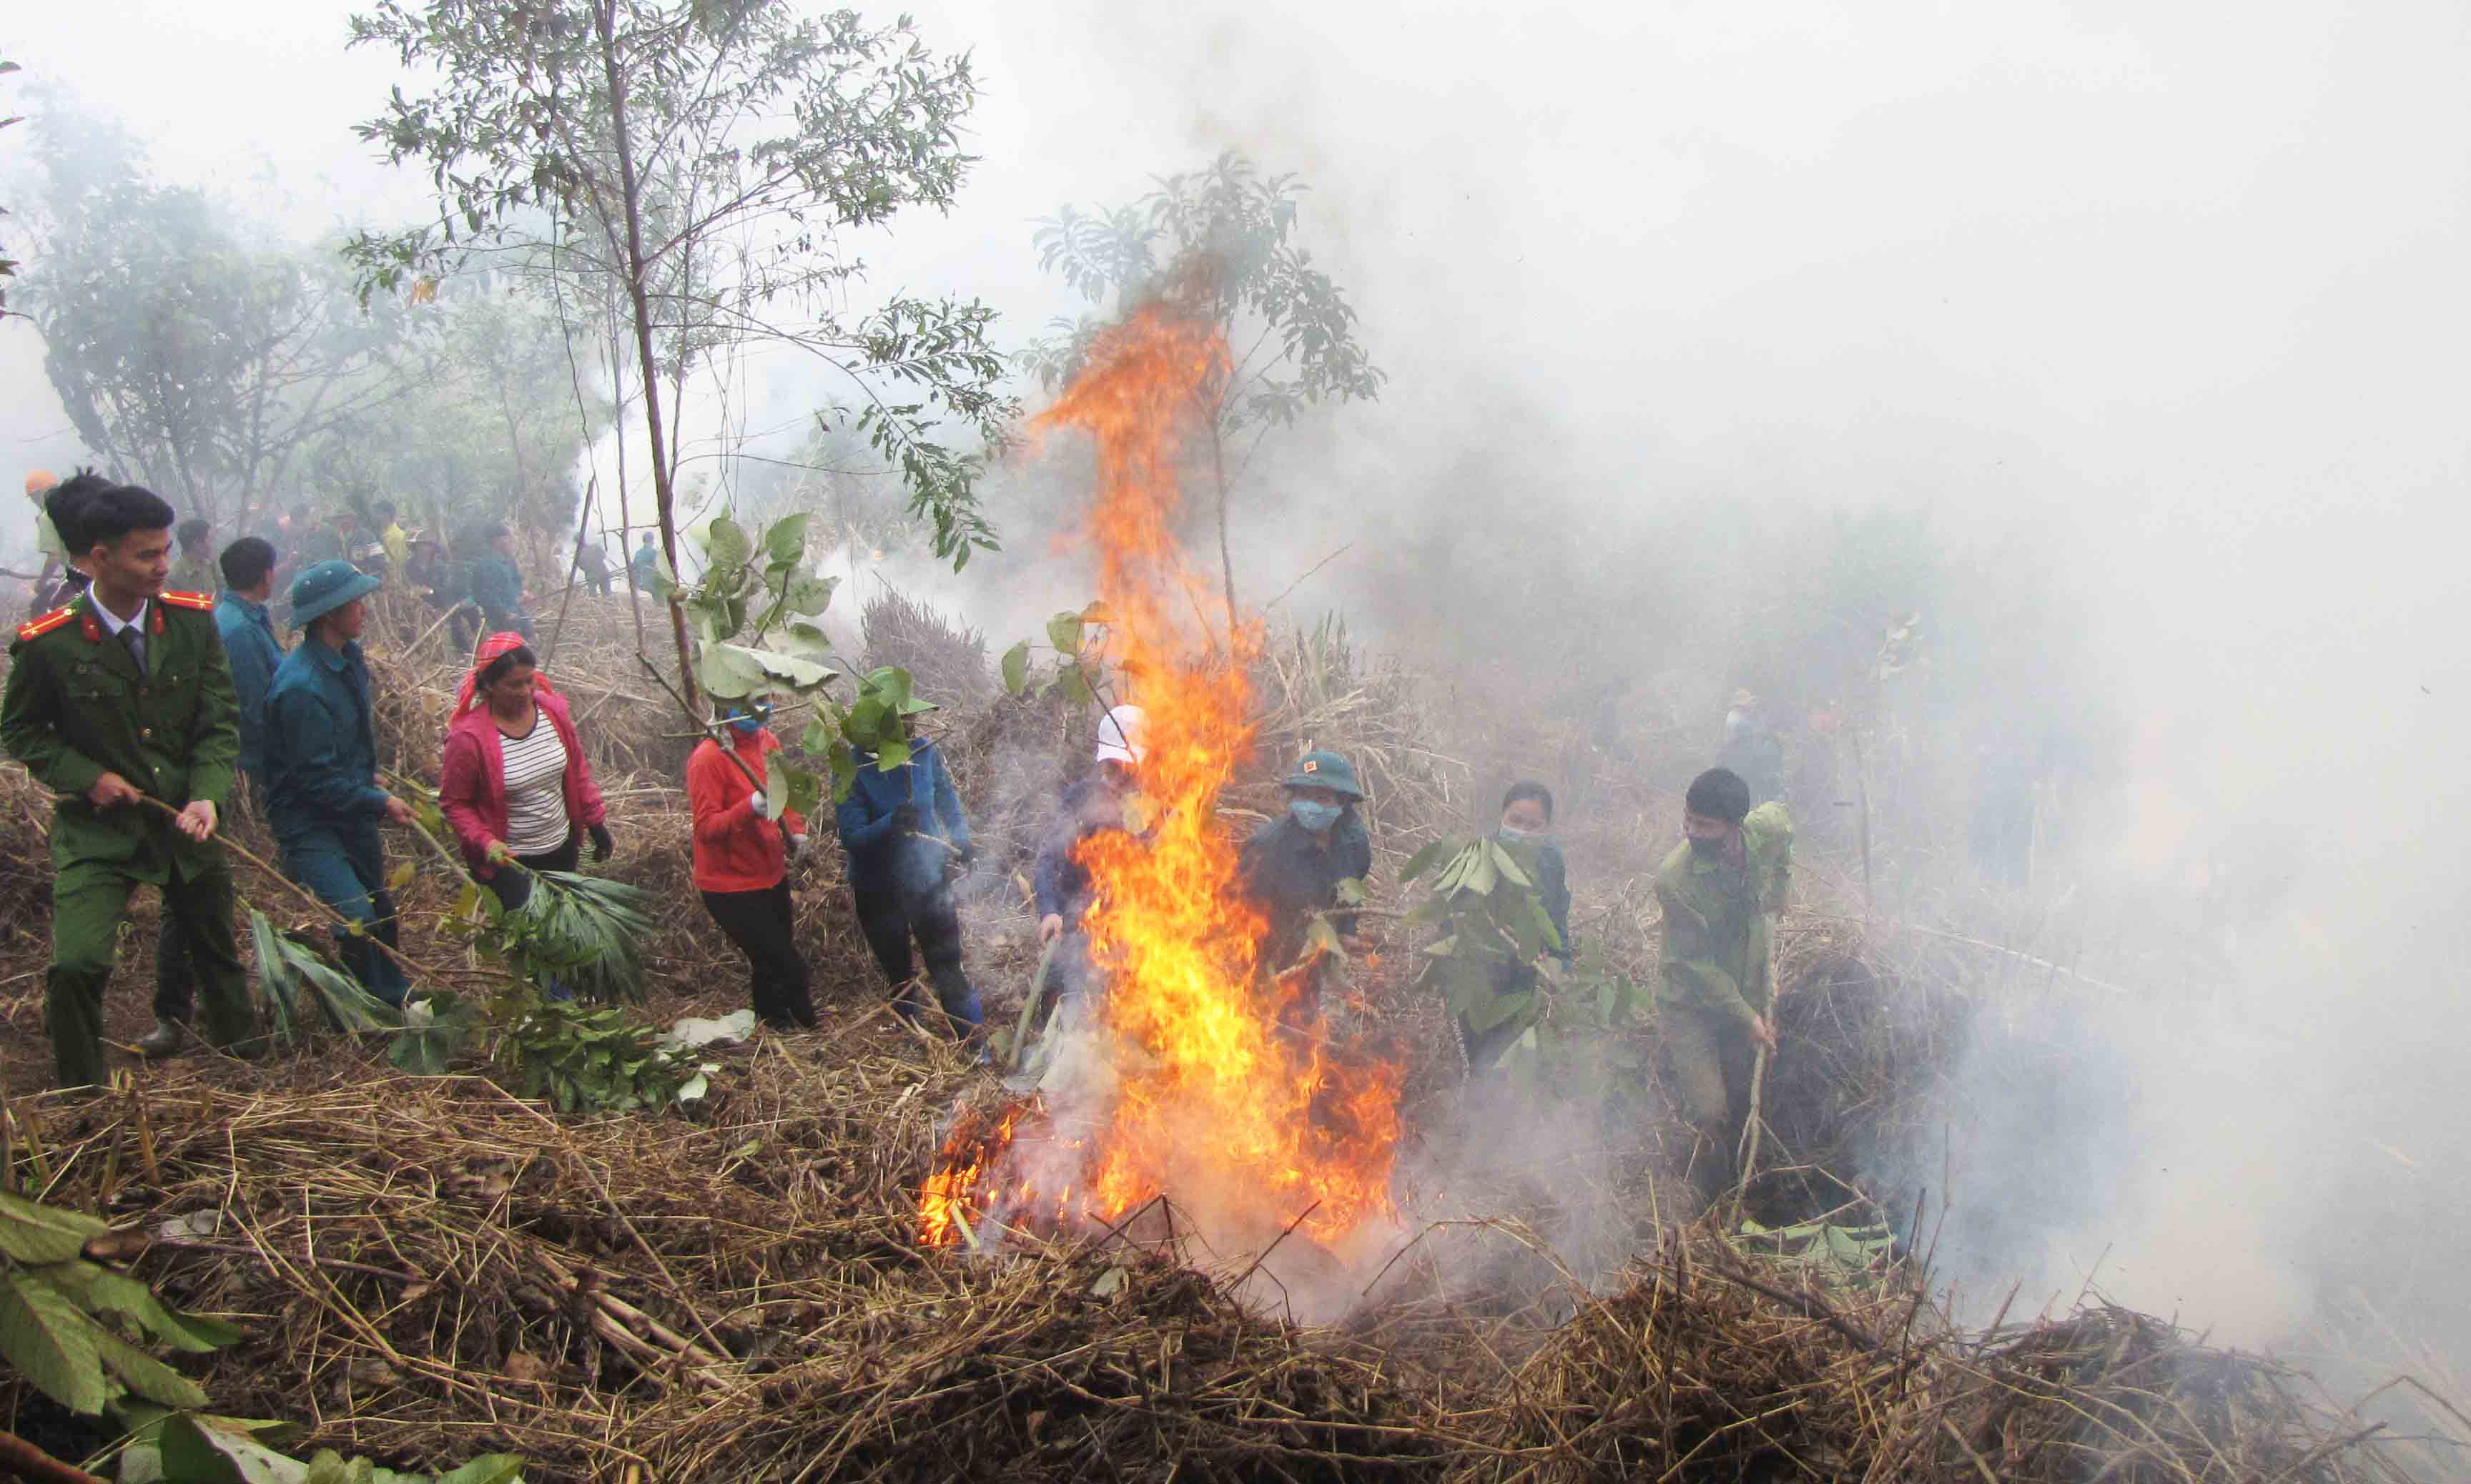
(1079, 674)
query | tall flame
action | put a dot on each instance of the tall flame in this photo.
(1246, 1119)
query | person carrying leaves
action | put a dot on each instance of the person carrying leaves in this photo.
(514, 783)
(903, 832)
(121, 704)
(742, 864)
(322, 796)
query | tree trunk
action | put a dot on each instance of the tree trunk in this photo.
(631, 203)
(1226, 558)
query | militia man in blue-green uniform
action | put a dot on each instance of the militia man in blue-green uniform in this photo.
(120, 698)
(1715, 996)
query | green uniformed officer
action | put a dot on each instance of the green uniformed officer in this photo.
(1716, 989)
(121, 696)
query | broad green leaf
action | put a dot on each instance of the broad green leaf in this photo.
(402, 875)
(145, 1374)
(195, 1453)
(487, 1468)
(38, 1233)
(728, 672)
(49, 1340)
(786, 540)
(776, 786)
(104, 1291)
(818, 735)
(1424, 861)
(807, 595)
(1351, 891)
(1074, 682)
(1063, 632)
(891, 756)
(727, 548)
(804, 787)
(1016, 669)
(1508, 868)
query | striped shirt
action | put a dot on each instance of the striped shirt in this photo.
(535, 773)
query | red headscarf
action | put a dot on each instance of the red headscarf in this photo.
(490, 649)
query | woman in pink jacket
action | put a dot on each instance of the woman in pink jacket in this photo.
(514, 784)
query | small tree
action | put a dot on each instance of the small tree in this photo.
(8, 265)
(690, 162)
(1220, 243)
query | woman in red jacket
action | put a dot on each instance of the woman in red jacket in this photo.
(740, 866)
(514, 784)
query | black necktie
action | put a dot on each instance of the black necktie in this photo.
(133, 635)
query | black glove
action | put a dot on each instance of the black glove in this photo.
(966, 854)
(906, 819)
(602, 844)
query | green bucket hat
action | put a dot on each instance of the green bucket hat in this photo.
(892, 683)
(327, 588)
(1320, 769)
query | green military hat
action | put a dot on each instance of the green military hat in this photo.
(325, 587)
(1324, 770)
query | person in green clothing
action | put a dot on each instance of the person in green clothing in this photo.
(1526, 831)
(195, 571)
(1716, 992)
(121, 704)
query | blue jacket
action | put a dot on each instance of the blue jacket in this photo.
(881, 858)
(496, 586)
(321, 754)
(249, 642)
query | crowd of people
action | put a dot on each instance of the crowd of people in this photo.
(152, 710)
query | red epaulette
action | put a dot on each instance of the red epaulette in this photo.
(36, 628)
(204, 603)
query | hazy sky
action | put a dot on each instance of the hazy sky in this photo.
(2176, 293)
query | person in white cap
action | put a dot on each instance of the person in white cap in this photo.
(1106, 799)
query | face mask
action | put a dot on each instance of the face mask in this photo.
(1706, 848)
(1313, 816)
(1511, 832)
(746, 726)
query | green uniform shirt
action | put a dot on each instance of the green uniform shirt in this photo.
(1717, 944)
(77, 707)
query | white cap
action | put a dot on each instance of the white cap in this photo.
(1120, 735)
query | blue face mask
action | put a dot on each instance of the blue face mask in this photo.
(1313, 814)
(745, 725)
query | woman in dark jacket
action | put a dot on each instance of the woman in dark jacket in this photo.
(902, 829)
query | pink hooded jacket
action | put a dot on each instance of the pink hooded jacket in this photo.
(472, 780)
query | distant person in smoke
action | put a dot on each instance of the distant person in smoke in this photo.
(1525, 832)
(498, 586)
(1716, 984)
(742, 864)
(1751, 750)
(63, 575)
(1292, 867)
(905, 832)
(1108, 798)
(593, 563)
(439, 581)
(646, 564)
(195, 571)
(394, 543)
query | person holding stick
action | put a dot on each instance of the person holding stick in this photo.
(252, 652)
(903, 832)
(121, 704)
(742, 862)
(1716, 984)
(323, 798)
(514, 783)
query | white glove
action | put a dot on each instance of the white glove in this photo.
(755, 801)
(797, 846)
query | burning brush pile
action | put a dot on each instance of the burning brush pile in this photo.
(1204, 1075)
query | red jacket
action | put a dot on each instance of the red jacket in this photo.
(736, 849)
(472, 780)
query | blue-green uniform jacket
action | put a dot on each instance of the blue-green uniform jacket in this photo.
(77, 707)
(1716, 942)
(321, 755)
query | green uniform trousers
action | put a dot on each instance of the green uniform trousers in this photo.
(1712, 1055)
(89, 899)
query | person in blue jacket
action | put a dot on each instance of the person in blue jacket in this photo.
(903, 829)
(323, 798)
(249, 644)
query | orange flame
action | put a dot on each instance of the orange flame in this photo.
(1246, 1123)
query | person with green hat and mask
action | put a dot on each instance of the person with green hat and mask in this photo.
(323, 798)
(902, 830)
(1291, 867)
